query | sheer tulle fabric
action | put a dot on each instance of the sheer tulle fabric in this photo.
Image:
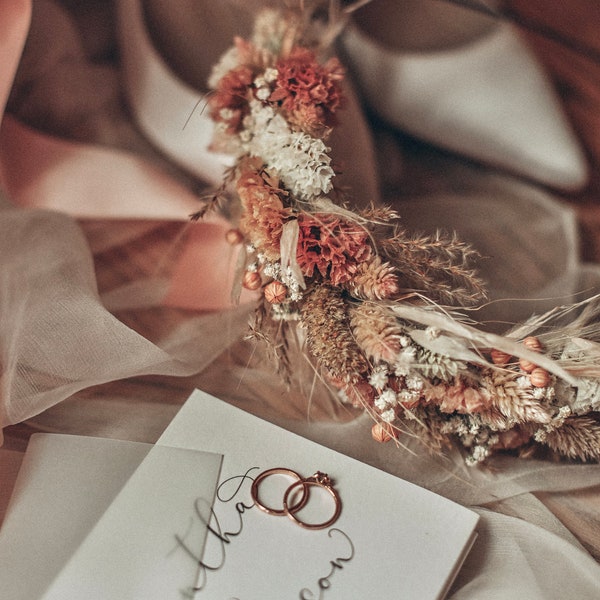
(85, 301)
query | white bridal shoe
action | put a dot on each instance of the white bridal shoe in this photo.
(487, 98)
(170, 112)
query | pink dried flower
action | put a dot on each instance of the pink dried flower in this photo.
(459, 398)
(360, 394)
(264, 212)
(335, 247)
(229, 103)
(308, 91)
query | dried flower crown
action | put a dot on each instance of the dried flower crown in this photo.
(371, 299)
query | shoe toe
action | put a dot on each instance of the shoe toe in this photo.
(489, 100)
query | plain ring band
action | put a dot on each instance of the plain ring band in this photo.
(276, 511)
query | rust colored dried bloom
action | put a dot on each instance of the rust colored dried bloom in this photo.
(229, 103)
(309, 118)
(376, 331)
(308, 91)
(374, 280)
(360, 394)
(462, 399)
(328, 335)
(335, 247)
(264, 213)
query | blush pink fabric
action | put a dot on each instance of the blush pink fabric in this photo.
(56, 335)
(44, 172)
(14, 24)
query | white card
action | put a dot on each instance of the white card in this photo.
(132, 553)
(65, 484)
(392, 539)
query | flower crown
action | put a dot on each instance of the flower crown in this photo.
(371, 300)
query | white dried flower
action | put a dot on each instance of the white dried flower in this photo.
(404, 341)
(385, 399)
(270, 74)
(263, 93)
(302, 162)
(226, 114)
(478, 454)
(408, 396)
(379, 377)
(388, 416)
(414, 382)
(401, 369)
(407, 355)
(270, 270)
(283, 312)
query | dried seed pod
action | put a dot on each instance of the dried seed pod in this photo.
(539, 377)
(234, 237)
(533, 343)
(275, 292)
(499, 357)
(381, 432)
(251, 280)
(527, 365)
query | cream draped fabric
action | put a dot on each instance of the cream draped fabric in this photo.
(113, 307)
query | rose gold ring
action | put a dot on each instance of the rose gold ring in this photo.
(318, 480)
(296, 505)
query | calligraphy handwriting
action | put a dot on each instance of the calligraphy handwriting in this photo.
(215, 532)
(324, 583)
(227, 491)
